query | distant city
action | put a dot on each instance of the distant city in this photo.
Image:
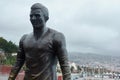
(96, 60)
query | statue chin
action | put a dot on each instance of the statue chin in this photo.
(37, 26)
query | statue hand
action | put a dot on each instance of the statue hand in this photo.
(11, 78)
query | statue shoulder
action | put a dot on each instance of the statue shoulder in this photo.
(26, 36)
(23, 37)
(59, 38)
(56, 33)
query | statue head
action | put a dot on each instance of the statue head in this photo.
(39, 15)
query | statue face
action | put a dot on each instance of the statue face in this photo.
(37, 18)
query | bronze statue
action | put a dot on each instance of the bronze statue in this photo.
(41, 49)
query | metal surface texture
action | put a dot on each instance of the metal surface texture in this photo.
(41, 50)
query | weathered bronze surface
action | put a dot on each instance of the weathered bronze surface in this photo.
(41, 49)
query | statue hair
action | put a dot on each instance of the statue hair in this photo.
(42, 8)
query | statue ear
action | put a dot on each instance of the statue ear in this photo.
(46, 18)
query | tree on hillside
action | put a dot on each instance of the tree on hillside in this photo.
(7, 46)
(3, 43)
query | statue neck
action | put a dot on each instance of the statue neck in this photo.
(38, 33)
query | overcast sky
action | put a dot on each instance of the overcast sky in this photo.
(90, 26)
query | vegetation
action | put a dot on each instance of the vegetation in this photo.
(9, 60)
(8, 47)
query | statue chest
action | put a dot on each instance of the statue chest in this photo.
(43, 44)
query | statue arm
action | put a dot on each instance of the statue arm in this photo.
(62, 55)
(19, 61)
